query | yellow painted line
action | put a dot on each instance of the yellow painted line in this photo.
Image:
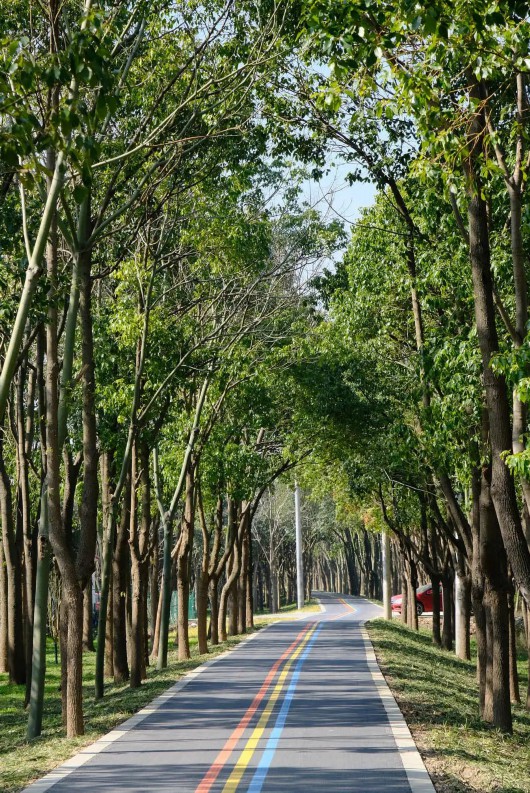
(352, 608)
(251, 745)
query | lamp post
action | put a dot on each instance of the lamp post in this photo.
(385, 547)
(299, 556)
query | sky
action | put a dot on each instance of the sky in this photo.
(334, 192)
(334, 197)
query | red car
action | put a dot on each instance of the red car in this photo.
(423, 600)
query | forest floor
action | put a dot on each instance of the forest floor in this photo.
(22, 762)
(437, 694)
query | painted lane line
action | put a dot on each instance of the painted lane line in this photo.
(352, 610)
(224, 755)
(92, 750)
(252, 743)
(268, 755)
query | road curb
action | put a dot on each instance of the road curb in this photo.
(73, 763)
(417, 775)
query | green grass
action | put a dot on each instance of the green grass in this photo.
(22, 762)
(437, 694)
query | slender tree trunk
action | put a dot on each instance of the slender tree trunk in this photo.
(72, 593)
(16, 657)
(109, 637)
(404, 594)
(462, 613)
(183, 572)
(477, 587)
(214, 611)
(88, 511)
(139, 545)
(447, 629)
(88, 634)
(500, 430)
(526, 617)
(38, 666)
(120, 585)
(249, 588)
(154, 591)
(24, 426)
(436, 622)
(156, 635)
(497, 707)
(136, 648)
(514, 675)
(4, 642)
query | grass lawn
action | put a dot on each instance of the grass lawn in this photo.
(437, 694)
(22, 762)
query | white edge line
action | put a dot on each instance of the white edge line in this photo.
(88, 752)
(417, 775)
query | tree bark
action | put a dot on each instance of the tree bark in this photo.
(120, 584)
(500, 430)
(4, 642)
(462, 612)
(515, 695)
(497, 707)
(16, 657)
(183, 560)
(436, 621)
(88, 632)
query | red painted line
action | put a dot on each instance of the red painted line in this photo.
(220, 761)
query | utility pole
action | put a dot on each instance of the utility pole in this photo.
(299, 556)
(385, 546)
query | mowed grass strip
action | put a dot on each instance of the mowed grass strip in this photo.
(437, 694)
(22, 762)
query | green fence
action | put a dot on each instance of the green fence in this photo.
(192, 610)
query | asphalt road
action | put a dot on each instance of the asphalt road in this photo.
(293, 709)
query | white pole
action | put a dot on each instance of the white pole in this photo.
(385, 545)
(299, 557)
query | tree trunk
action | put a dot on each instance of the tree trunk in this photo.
(88, 634)
(109, 636)
(136, 648)
(477, 588)
(500, 430)
(183, 564)
(74, 653)
(497, 707)
(154, 587)
(139, 545)
(16, 657)
(232, 569)
(404, 594)
(4, 642)
(526, 617)
(214, 611)
(436, 622)
(462, 613)
(514, 675)
(447, 596)
(38, 665)
(120, 585)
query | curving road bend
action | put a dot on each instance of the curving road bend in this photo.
(293, 710)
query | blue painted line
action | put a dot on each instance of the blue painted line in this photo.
(264, 764)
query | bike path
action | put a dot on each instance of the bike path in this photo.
(296, 709)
